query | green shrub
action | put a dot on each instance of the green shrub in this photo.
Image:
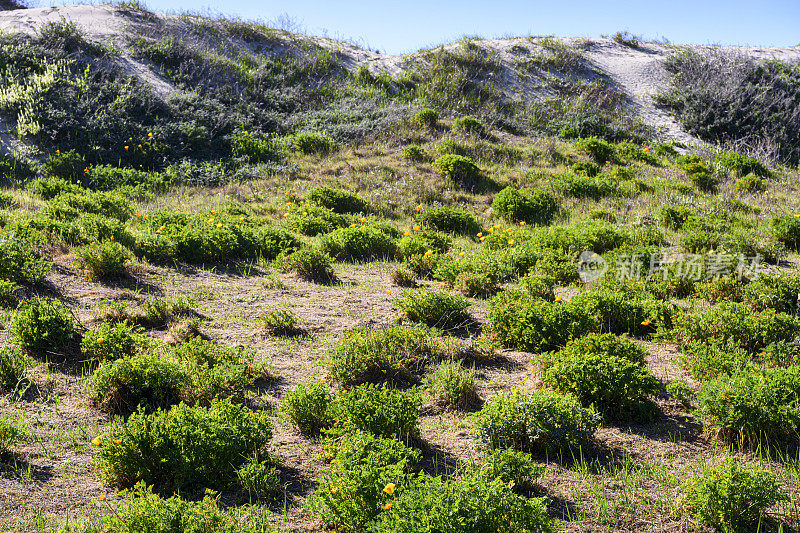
(112, 341)
(786, 229)
(259, 480)
(426, 118)
(467, 505)
(730, 496)
(12, 431)
(450, 220)
(423, 242)
(557, 265)
(469, 125)
(352, 491)
(360, 243)
(625, 312)
(145, 381)
(309, 264)
(713, 357)
(107, 204)
(379, 410)
(475, 285)
(544, 422)
(8, 293)
(539, 286)
(337, 200)
(704, 181)
(103, 260)
(779, 291)
(510, 466)
(673, 217)
(585, 187)
(280, 321)
(309, 407)
(521, 322)
(21, 263)
(184, 448)
(598, 149)
(255, 150)
(143, 510)
(12, 368)
(414, 154)
(459, 169)
(398, 353)
(632, 151)
(741, 165)
(42, 325)
(69, 166)
(585, 168)
(533, 207)
(311, 142)
(49, 187)
(312, 220)
(158, 312)
(750, 183)
(435, 309)
(606, 373)
(404, 277)
(736, 322)
(451, 384)
(753, 407)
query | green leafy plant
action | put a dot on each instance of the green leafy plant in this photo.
(309, 264)
(598, 149)
(13, 365)
(545, 422)
(435, 309)
(259, 480)
(413, 153)
(308, 407)
(461, 170)
(451, 384)
(337, 200)
(379, 410)
(730, 496)
(426, 118)
(42, 325)
(533, 207)
(359, 243)
(280, 321)
(104, 260)
(450, 220)
(469, 125)
(112, 341)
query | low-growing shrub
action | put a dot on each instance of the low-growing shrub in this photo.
(475, 285)
(312, 142)
(521, 322)
(786, 229)
(255, 150)
(450, 220)
(585, 168)
(532, 207)
(12, 368)
(259, 480)
(544, 422)
(710, 358)
(539, 286)
(753, 407)
(413, 153)
(112, 341)
(741, 165)
(469, 125)
(48, 188)
(435, 309)
(426, 118)
(599, 150)
(750, 183)
(280, 321)
(510, 466)
(184, 448)
(42, 325)
(360, 243)
(404, 277)
(21, 263)
(737, 322)
(103, 260)
(452, 385)
(337, 200)
(780, 291)
(69, 166)
(632, 151)
(585, 187)
(8, 293)
(625, 312)
(423, 242)
(606, 373)
(312, 220)
(459, 169)
(309, 407)
(309, 264)
(379, 410)
(12, 430)
(731, 496)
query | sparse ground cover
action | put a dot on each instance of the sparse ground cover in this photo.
(292, 316)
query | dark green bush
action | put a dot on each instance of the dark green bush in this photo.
(607, 373)
(710, 358)
(510, 466)
(312, 142)
(42, 325)
(12, 368)
(379, 410)
(778, 291)
(69, 166)
(450, 220)
(337, 200)
(544, 422)
(585, 168)
(423, 242)
(730, 496)
(533, 207)
(111, 341)
(426, 118)
(360, 243)
(184, 448)
(598, 149)
(48, 188)
(309, 264)
(750, 183)
(104, 260)
(461, 170)
(625, 312)
(469, 125)
(21, 263)
(414, 154)
(753, 407)
(107, 204)
(312, 220)
(309, 407)
(451, 384)
(741, 165)
(737, 322)
(521, 322)
(585, 187)
(255, 150)
(786, 229)
(475, 285)
(632, 151)
(435, 309)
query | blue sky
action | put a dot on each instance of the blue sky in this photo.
(395, 27)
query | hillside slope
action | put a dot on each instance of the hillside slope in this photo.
(636, 72)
